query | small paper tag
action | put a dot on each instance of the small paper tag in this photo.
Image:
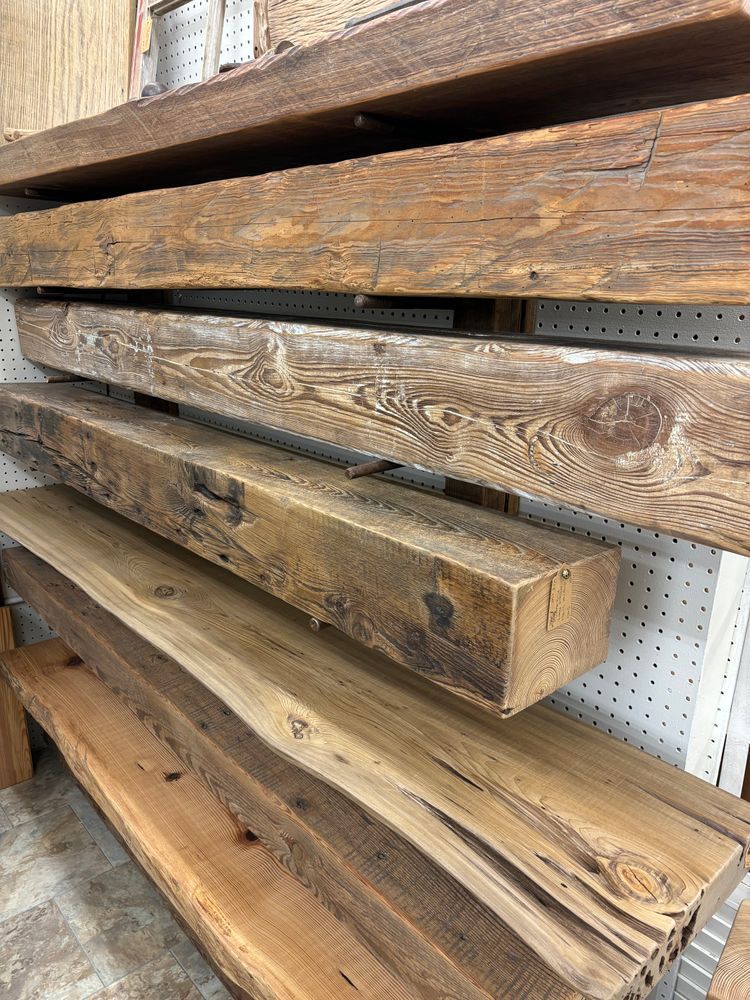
(560, 598)
(148, 24)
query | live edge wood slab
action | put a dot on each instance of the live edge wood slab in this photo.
(267, 936)
(404, 571)
(649, 438)
(652, 206)
(603, 860)
(438, 68)
(388, 893)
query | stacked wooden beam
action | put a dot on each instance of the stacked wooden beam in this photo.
(347, 824)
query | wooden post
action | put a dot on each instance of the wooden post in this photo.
(15, 753)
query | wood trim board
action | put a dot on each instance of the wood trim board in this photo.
(403, 571)
(652, 438)
(646, 207)
(553, 826)
(444, 66)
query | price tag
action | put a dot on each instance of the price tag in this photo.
(560, 598)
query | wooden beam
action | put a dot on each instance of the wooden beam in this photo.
(651, 206)
(731, 981)
(265, 933)
(445, 65)
(404, 571)
(654, 439)
(605, 861)
(15, 752)
(358, 867)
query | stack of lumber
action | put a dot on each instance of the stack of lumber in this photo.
(382, 807)
(587, 865)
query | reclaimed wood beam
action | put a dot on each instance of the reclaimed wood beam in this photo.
(731, 980)
(604, 860)
(404, 571)
(649, 438)
(651, 206)
(359, 868)
(16, 764)
(440, 68)
(266, 934)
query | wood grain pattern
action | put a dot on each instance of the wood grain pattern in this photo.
(15, 752)
(401, 570)
(62, 60)
(605, 861)
(303, 21)
(354, 865)
(260, 927)
(485, 65)
(651, 206)
(654, 439)
(731, 980)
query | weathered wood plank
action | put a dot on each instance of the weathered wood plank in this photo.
(404, 571)
(731, 980)
(303, 21)
(604, 860)
(652, 206)
(486, 65)
(15, 752)
(654, 439)
(261, 928)
(353, 864)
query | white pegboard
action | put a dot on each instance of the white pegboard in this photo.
(181, 40)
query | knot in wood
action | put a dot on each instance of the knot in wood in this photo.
(165, 591)
(623, 425)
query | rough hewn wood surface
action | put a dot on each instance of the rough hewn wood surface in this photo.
(304, 21)
(62, 60)
(15, 753)
(731, 980)
(404, 571)
(651, 206)
(357, 867)
(654, 438)
(604, 860)
(261, 928)
(450, 64)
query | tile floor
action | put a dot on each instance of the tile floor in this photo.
(78, 919)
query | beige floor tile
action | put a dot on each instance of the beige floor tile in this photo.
(41, 960)
(43, 857)
(161, 979)
(120, 920)
(101, 834)
(5, 823)
(191, 960)
(46, 792)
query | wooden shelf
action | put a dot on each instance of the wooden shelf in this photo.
(603, 860)
(403, 571)
(442, 69)
(584, 211)
(731, 980)
(266, 935)
(607, 429)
